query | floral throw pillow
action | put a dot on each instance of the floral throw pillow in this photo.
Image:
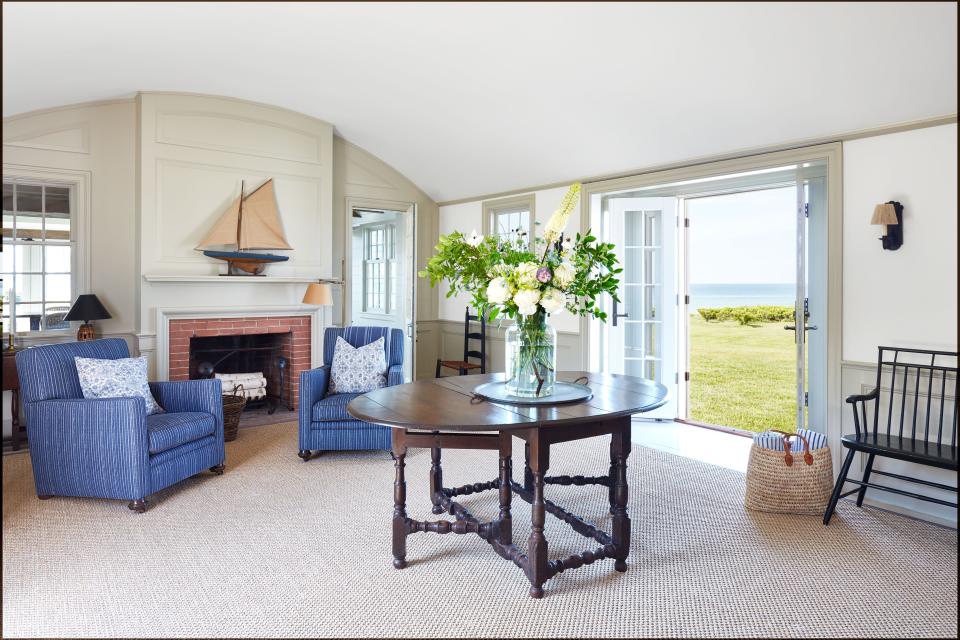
(122, 378)
(358, 369)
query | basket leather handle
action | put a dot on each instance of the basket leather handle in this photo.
(788, 457)
(238, 390)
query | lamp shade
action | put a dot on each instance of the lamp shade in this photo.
(884, 213)
(318, 293)
(87, 307)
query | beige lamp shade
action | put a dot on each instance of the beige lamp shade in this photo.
(319, 294)
(884, 214)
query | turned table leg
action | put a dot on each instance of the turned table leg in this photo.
(436, 480)
(619, 450)
(399, 452)
(505, 520)
(537, 543)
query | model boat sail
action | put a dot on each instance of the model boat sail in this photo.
(249, 223)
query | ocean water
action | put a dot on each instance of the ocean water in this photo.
(741, 295)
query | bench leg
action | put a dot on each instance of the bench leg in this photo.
(838, 489)
(866, 478)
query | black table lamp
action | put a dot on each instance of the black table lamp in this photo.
(86, 308)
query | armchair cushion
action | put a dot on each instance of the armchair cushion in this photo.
(168, 430)
(332, 408)
(358, 369)
(116, 378)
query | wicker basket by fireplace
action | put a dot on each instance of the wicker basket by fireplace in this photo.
(233, 405)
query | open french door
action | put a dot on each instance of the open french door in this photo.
(641, 330)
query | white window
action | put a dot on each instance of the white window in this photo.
(39, 254)
(379, 269)
(510, 218)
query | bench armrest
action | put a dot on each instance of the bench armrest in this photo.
(863, 397)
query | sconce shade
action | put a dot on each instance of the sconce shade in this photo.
(318, 293)
(884, 213)
(87, 307)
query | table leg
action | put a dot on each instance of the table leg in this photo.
(505, 520)
(537, 543)
(619, 450)
(399, 452)
(527, 475)
(436, 480)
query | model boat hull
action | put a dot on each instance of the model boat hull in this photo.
(245, 263)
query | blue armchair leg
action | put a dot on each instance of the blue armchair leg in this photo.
(139, 506)
(304, 454)
(218, 469)
(44, 497)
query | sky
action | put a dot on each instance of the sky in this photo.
(744, 238)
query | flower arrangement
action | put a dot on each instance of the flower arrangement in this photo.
(526, 280)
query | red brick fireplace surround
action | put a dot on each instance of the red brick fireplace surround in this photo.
(295, 344)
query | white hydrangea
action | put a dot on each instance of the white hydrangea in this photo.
(526, 301)
(498, 291)
(553, 301)
(526, 274)
(564, 274)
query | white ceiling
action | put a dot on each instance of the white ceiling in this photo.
(469, 99)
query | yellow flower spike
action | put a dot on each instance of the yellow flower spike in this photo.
(558, 221)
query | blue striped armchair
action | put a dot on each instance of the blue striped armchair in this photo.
(109, 447)
(324, 421)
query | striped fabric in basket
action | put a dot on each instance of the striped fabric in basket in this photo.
(774, 441)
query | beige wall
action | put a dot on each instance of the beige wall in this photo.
(95, 142)
(161, 168)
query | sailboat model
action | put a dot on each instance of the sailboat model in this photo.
(249, 223)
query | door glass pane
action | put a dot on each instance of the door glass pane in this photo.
(633, 226)
(633, 265)
(58, 200)
(651, 266)
(633, 339)
(651, 343)
(634, 367)
(651, 301)
(633, 301)
(651, 228)
(651, 369)
(29, 197)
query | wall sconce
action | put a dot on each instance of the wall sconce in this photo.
(890, 214)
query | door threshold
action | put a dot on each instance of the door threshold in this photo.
(717, 427)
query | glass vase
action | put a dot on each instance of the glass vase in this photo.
(531, 357)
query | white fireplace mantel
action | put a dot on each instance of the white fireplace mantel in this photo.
(166, 314)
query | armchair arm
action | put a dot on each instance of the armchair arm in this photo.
(190, 395)
(395, 375)
(313, 387)
(94, 448)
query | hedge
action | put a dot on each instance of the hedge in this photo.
(748, 315)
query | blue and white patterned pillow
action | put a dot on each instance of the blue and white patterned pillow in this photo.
(358, 369)
(121, 378)
(774, 441)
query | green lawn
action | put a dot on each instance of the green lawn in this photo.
(741, 376)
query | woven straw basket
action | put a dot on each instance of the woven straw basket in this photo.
(783, 482)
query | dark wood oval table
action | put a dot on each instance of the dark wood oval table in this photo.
(444, 413)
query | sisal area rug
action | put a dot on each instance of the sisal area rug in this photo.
(279, 547)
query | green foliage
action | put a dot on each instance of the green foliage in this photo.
(748, 316)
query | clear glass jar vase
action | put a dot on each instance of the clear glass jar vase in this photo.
(531, 357)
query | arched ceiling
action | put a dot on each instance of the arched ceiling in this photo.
(469, 99)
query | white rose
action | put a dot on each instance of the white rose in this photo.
(564, 274)
(498, 291)
(553, 301)
(526, 274)
(526, 301)
(475, 239)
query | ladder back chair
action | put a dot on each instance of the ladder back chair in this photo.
(910, 415)
(465, 366)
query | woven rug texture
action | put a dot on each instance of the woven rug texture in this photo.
(279, 547)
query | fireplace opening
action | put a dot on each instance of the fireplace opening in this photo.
(241, 358)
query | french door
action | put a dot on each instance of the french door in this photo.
(641, 329)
